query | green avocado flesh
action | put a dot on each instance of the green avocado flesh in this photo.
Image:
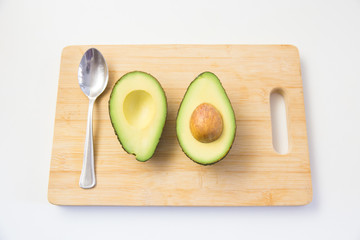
(138, 111)
(206, 88)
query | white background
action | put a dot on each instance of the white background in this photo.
(32, 35)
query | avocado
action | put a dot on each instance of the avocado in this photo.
(138, 109)
(205, 124)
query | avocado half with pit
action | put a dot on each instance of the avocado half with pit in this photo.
(205, 124)
(138, 111)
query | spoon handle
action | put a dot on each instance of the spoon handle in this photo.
(87, 177)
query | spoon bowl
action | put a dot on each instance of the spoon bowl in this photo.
(93, 76)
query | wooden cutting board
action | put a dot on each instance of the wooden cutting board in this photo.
(253, 173)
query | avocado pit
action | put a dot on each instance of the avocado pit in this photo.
(206, 123)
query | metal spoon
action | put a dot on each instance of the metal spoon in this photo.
(93, 77)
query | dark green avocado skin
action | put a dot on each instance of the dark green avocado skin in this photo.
(209, 164)
(114, 126)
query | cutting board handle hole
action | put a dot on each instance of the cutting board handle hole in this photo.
(280, 139)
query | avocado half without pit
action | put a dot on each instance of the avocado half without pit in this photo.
(205, 124)
(138, 111)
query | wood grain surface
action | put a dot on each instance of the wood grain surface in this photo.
(252, 174)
